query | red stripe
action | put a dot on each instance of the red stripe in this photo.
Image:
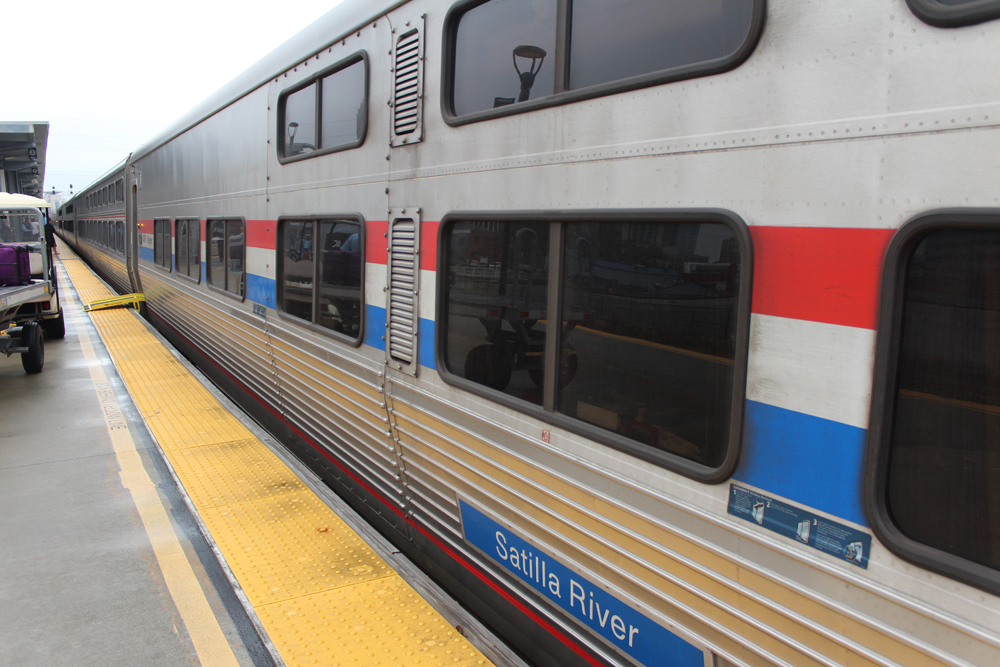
(478, 573)
(428, 245)
(819, 274)
(262, 234)
(376, 242)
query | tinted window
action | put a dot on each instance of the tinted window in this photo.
(945, 436)
(648, 355)
(182, 243)
(327, 253)
(616, 39)
(194, 249)
(234, 256)
(343, 109)
(649, 332)
(300, 121)
(161, 243)
(506, 51)
(497, 296)
(340, 100)
(217, 253)
(485, 74)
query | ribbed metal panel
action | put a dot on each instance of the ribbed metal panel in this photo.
(405, 115)
(401, 315)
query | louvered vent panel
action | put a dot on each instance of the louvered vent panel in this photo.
(402, 285)
(407, 92)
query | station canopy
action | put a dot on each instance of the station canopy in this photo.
(22, 157)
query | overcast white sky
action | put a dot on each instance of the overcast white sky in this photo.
(109, 75)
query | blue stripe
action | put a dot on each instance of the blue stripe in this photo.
(261, 290)
(812, 461)
(375, 335)
(146, 254)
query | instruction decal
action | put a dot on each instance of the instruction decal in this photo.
(819, 533)
(623, 627)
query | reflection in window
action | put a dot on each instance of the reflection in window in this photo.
(498, 282)
(506, 51)
(182, 244)
(300, 121)
(617, 39)
(327, 253)
(234, 256)
(648, 335)
(649, 332)
(944, 464)
(339, 100)
(194, 249)
(162, 254)
(226, 255)
(485, 72)
(343, 109)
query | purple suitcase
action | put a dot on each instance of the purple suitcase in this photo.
(15, 265)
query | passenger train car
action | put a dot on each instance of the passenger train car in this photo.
(762, 428)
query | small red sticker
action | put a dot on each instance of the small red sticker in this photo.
(545, 435)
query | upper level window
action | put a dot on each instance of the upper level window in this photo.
(650, 355)
(226, 255)
(338, 98)
(954, 13)
(162, 252)
(936, 438)
(511, 52)
(321, 265)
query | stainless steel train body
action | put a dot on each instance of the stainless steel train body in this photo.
(705, 472)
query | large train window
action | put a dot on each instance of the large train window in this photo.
(934, 451)
(504, 57)
(189, 248)
(954, 13)
(321, 272)
(162, 252)
(226, 255)
(338, 97)
(650, 352)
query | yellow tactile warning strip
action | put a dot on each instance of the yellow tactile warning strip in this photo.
(323, 596)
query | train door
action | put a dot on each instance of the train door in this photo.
(132, 232)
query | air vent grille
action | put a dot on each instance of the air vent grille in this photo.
(400, 327)
(407, 92)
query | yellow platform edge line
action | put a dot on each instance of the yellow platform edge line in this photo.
(204, 631)
(299, 565)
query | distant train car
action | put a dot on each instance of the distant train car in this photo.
(659, 332)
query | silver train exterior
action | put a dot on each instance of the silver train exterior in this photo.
(729, 469)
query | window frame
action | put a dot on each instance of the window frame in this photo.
(887, 349)
(208, 269)
(669, 461)
(168, 267)
(344, 63)
(188, 220)
(279, 268)
(934, 13)
(696, 70)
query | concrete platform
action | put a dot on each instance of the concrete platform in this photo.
(80, 583)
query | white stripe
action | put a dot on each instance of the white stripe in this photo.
(260, 262)
(823, 370)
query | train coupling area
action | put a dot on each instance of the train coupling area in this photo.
(307, 581)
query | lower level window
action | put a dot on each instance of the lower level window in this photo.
(226, 255)
(189, 248)
(647, 340)
(943, 475)
(162, 252)
(320, 273)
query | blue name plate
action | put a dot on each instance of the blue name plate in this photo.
(821, 534)
(622, 626)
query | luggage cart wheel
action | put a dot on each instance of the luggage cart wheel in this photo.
(31, 338)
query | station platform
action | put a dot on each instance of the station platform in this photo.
(145, 520)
